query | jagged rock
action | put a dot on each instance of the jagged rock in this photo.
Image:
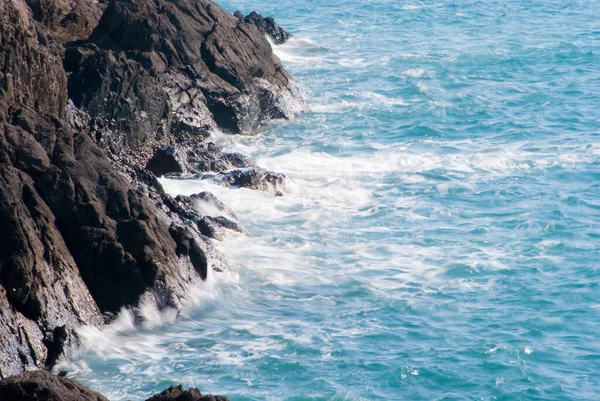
(68, 20)
(194, 159)
(208, 220)
(86, 229)
(166, 159)
(30, 62)
(187, 68)
(40, 385)
(267, 26)
(252, 178)
(209, 205)
(77, 238)
(178, 393)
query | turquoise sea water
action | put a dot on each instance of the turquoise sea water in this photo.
(440, 237)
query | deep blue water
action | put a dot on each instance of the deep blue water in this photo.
(440, 238)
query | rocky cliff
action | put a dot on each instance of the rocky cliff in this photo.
(86, 229)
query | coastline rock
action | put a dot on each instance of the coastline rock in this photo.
(78, 239)
(205, 157)
(41, 385)
(157, 72)
(251, 178)
(68, 20)
(267, 26)
(211, 217)
(178, 393)
(87, 230)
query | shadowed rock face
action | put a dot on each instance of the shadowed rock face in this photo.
(68, 20)
(85, 229)
(267, 26)
(44, 386)
(77, 238)
(155, 68)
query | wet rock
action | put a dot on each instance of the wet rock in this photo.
(164, 71)
(166, 159)
(209, 205)
(40, 385)
(178, 393)
(268, 26)
(77, 238)
(252, 178)
(194, 159)
(207, 213)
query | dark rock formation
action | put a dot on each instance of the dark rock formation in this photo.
(173, 72)
(194, 209)
(251, 177)
(206, 161)
(68, 20)
(267, 26)
(40, 385)
(78, 239)
(194, 159)
(178, 393)
(86, 230)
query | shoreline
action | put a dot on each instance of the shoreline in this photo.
(86, 169)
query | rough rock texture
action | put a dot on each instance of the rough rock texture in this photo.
(30, 62)
(206, 161)
(41, 385)
(267, 26)
(68, 20)
(178, 393)
(86, 230)
(78, 239)
(164, 71)
(195, 159)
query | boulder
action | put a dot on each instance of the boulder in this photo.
(204, 157)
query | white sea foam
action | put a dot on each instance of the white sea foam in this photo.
(414, 72)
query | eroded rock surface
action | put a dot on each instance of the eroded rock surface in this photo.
(40, 385)
(78, 239)
(178, 393)
(173, 72)
(267, 26)
(86, 228)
